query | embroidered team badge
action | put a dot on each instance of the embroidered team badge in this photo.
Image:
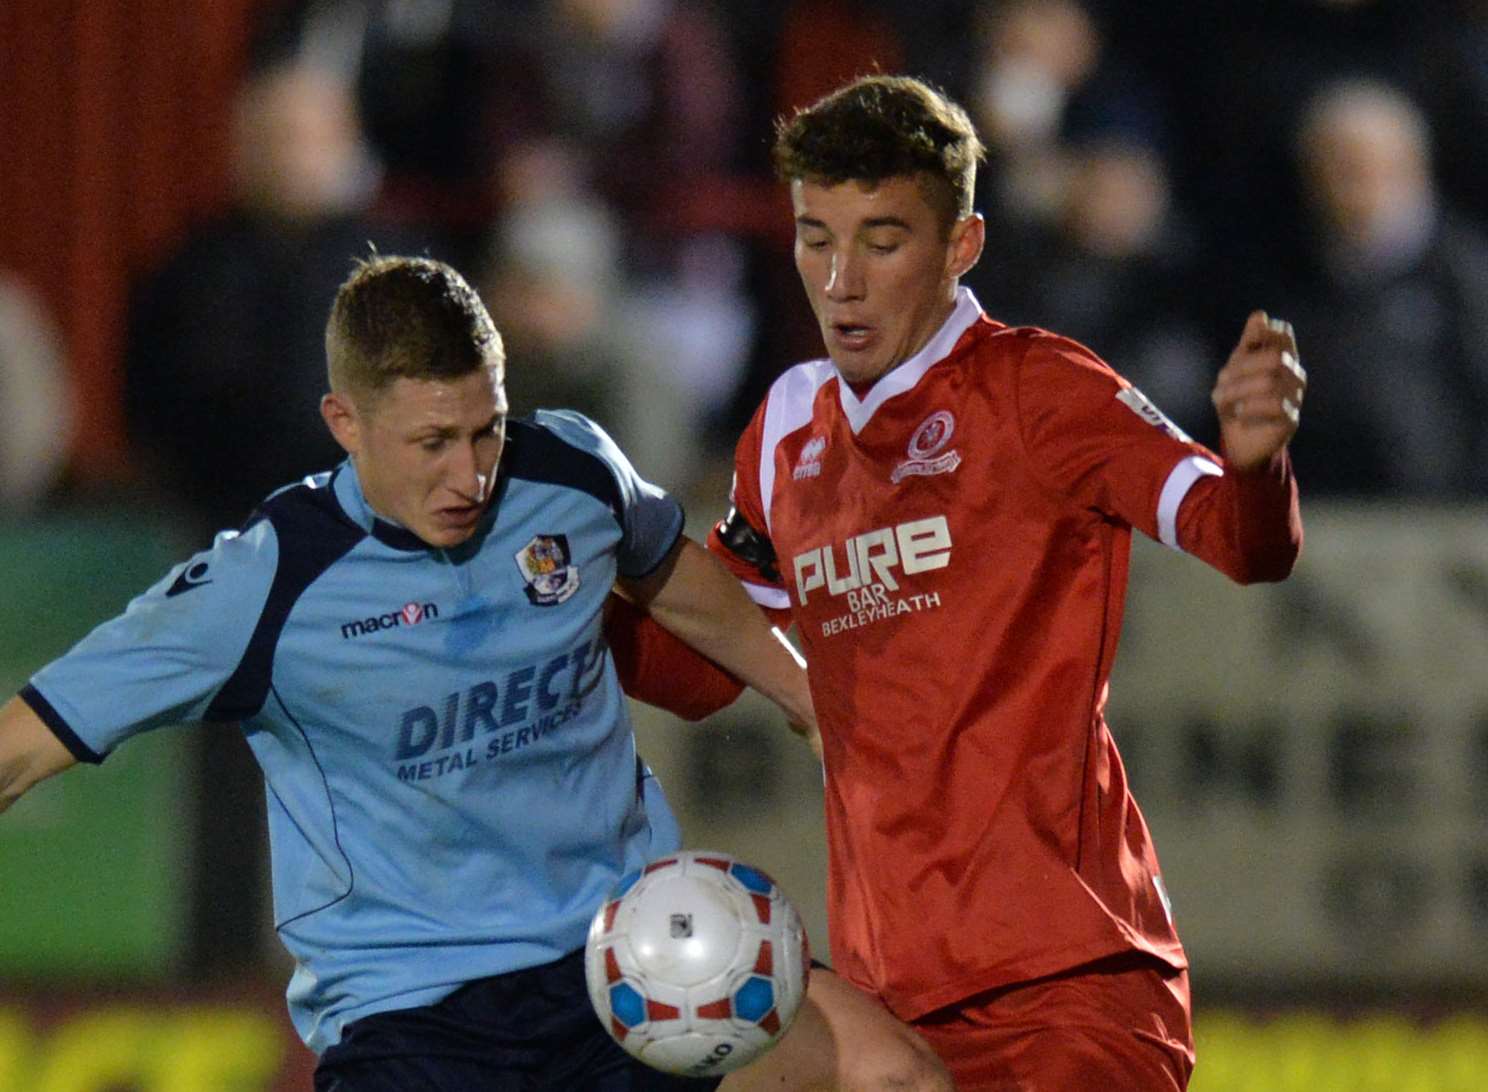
(809, 464)
(547, 567)
(925, 447)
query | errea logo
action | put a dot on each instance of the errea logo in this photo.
(411, 614)
(809, 464)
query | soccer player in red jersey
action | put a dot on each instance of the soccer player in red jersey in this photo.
(944, 508)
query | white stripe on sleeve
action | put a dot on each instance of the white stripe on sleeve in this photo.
(1179, 482)
(773, 598)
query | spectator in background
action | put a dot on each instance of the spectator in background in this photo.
(649, 356)
(225, 337)
(1393, 291)
(1034, 57)
(444, 89)
(1088, 240)
(35, 415)
(1449, 74)
(1115, 271)
(224, 369)
(552, 281)
(1236, 73)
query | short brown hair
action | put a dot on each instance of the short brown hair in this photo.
(879, 127)
(412, 318)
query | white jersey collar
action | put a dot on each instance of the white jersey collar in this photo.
(908, 374)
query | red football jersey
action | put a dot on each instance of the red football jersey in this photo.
(953, 548)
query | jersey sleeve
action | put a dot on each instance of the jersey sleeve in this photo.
(1093, 437)
(741, 539)
(651, 520)
(660, 669)
(1247, 525)
(166, 657)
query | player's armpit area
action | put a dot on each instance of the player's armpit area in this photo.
(1248, 525)
(661, 670)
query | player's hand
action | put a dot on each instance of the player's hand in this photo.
(1258, 393)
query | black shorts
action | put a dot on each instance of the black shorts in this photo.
(527, 1031)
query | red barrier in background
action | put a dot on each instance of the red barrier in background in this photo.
(113, 137)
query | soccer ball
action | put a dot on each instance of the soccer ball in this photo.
(697, 964)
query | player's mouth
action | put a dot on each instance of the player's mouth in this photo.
(853, 337)
(463, 515)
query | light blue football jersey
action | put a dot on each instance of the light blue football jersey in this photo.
(451, 773)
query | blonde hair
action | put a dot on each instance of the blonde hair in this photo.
(412, 318)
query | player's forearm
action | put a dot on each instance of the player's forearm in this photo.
(1247, 524)
(702, 604)
(29, 752)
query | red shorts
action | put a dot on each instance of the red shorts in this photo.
(1118, 1025)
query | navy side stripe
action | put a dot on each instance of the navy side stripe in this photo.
(313, 535)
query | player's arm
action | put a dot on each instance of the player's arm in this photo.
(657, 668)
(1095, 440)
(695, 598)
(1247, 523)
(29, 751)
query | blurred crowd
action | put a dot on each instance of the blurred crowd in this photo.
(1157, 169)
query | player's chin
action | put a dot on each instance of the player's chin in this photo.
(856, 367)
(446, 531)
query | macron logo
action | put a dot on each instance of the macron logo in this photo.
(411, 614)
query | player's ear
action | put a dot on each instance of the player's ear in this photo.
(340, 415)
(968, 235)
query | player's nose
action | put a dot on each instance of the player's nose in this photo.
(844, 278)
(466, 473)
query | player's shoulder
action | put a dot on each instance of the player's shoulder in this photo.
(306, 517)
(566, 449)
(789, 403)
(564, 425)
(1035, 346)
(801, 381)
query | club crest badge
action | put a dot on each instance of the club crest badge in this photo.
(926, 447)
(547, 567)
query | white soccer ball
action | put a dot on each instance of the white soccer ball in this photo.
(697, 964)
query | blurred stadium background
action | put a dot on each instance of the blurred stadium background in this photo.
(183, 185)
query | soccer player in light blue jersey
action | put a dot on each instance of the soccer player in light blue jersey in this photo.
(414, 645)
